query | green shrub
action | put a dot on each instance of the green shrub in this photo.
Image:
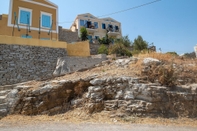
(119, 49)
(103, 49)
(84, 34)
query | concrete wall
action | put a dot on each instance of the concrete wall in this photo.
(20, 63)
(67, 35)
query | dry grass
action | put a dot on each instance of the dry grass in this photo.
(185, 69)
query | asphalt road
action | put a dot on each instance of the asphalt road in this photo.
(91, 127)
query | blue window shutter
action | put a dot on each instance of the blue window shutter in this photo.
(95, 25)
(85, 23)
(82, 23)
(46, 21)
(24, 17)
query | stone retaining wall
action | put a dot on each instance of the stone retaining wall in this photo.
(67, 35)
(23, 63)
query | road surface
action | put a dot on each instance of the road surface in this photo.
(91, 127)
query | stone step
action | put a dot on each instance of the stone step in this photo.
(3, 106)
(7, 87)
(4, 92)
(2, 99)
(3, 112)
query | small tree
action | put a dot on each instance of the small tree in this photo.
(84, 34)
(140, 44)
(105, 40)
(124, 40)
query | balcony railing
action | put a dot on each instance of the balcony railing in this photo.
(113, 32)
(91, 28)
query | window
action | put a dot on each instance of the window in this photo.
(25, 16)
(96, 25)
(103, 26)
(46, 20)
(116, 28)
(82, 23)
(89, 24)
(96, 37)
(110, 27)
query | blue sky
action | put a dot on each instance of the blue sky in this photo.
(170, 24)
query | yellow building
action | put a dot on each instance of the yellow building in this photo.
(31, 19)
(97, 27)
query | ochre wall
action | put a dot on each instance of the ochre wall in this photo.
(36, 12)
(32, 42)
(79, 49)
(5, 30)
(75, 49)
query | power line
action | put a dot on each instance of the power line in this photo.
(135, 7)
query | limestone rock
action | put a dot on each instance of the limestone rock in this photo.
(96, 82)
(148, 61)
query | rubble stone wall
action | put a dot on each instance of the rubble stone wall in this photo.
(19, 63)
(67, 35)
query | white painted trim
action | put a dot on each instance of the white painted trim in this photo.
(25, 9)
(10, 13)
(48, 14)
(38, 3)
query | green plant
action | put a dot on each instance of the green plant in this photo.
(140, 44)
(105, 40)
(119, 49)
(84, 34)
(124, 40)
(103, 49)
(172, 53)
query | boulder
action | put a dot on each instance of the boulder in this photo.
(149, 60)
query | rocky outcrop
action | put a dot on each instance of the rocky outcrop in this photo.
(70, 64)
(116, 94)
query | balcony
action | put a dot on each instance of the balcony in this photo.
(91, 29)
(113, 32)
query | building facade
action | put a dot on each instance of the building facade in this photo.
(31, 19)
(97, 27)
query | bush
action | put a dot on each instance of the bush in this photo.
(163, 74)
(103, 49)
(119, 49)
(172, 53)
